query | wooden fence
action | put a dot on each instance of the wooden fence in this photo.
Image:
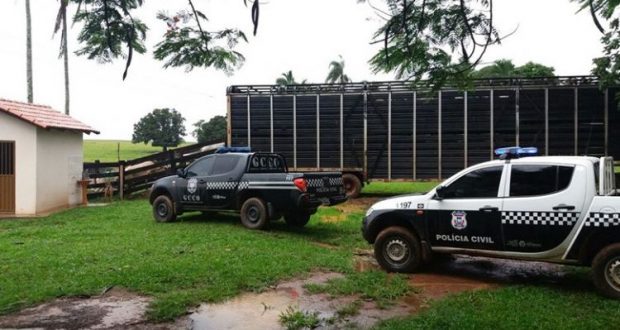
(131, 176)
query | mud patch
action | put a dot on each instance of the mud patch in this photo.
(360, 204)
(263, 310)
(116, 308)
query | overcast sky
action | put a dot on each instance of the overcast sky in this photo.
(299, 35)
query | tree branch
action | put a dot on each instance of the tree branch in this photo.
(594, 18)
(202, 33)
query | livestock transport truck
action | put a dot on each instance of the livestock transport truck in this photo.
(391, 131)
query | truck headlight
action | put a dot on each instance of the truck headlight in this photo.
(369, 211)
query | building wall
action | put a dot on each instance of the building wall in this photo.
(25, 137)
(59, 168)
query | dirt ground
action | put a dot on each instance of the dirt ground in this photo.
(118, 308)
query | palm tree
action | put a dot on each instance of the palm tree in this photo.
(29, 52)
(336, 72)
(61, 19)
(287, 78)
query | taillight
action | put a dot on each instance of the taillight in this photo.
(301, 184)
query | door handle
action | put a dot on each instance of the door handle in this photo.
(563, 207)
(488, 208)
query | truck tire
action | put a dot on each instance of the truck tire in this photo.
(254, 213)
(352, 185)
(606, 271)
(297, 219)
(163, 209)
(398, 250)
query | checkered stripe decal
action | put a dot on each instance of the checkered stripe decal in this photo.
(226, 185)
(596, 219)
(319, 182)
(539, 218)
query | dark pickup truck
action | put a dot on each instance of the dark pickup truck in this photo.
(258, 185)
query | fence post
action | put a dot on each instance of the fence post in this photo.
(96, 169)
(121, 179)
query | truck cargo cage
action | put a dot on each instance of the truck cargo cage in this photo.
(394, 130)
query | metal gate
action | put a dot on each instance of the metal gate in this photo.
(7, 177)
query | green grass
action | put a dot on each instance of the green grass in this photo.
(516, 307)
(397, 188)
(181, 264)
(294, 319)
(379, 286)
(107, 150)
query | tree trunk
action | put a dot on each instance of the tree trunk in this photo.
(29, 52)
(65, 54)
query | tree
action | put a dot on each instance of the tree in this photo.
(163, 127)
(61, 21)
(210, 131)
(29, 53)
(336, 72)
(506, 69)
(287, 78)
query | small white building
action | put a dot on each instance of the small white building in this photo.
(40, 159)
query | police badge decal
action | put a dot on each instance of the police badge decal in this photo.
(192, 185)
(459, 220)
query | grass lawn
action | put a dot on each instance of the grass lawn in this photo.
(86, 250)
(181, 264)
(378, 188)
(107, 150)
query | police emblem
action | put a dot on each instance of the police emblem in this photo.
(192, 185)
(459, 220)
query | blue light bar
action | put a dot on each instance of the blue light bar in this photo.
(515, 152)
(224, 150)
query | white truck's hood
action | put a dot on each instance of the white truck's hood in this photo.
(401, 202)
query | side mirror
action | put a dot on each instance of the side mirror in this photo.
(181, 173)
(439, 192)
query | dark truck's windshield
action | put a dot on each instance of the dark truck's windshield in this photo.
(267, 163)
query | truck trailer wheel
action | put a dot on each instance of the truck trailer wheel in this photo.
(163, 209)
(352, 185)
(398, 250)
(606, 271)
(297, 219)
(254, 213)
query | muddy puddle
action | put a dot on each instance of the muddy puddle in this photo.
(263, 310)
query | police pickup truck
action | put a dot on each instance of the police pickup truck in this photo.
(552, 209)
(258, 185)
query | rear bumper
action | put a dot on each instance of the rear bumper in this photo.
(309, 202)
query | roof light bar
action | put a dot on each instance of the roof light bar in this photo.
(516, 152)
(224, 150)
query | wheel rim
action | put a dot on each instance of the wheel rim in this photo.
(612, 273)
(162, 210)
(396, 251)
(253, 214)
(348, 187)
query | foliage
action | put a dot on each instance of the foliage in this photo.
(506, 69)
(190, 46)
(295, 319)
(212, 130)
(336, 72)
(162, 127)
(108, 27)
(108, 150)
(438, 40)
(287, 78)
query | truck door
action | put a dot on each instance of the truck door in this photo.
(223, 181)
(191, 189)
(543, 202)
(468, 214)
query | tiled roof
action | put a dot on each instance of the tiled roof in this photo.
(43, 116)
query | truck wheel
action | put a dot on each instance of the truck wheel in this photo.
(163, 209)
(352, 185)
(254, 214)
(398, 250)
(606, 271)
(297, 219)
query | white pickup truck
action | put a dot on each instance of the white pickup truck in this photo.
(553, 209)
